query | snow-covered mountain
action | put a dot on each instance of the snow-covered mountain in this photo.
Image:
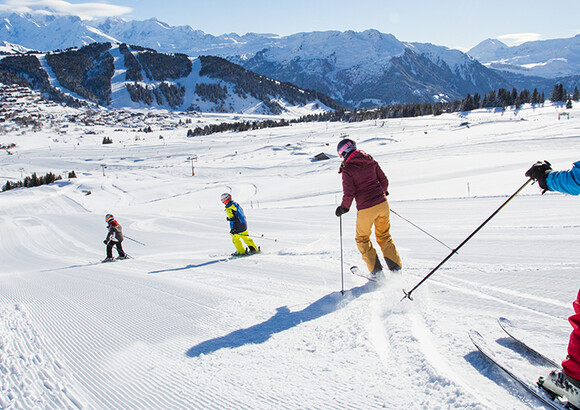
(47, 32)
(544, 58)
(355, 68)
(369, 68)
(121, 76)
(9, 48)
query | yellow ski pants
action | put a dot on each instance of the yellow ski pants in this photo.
(237, 239)
(378, 216)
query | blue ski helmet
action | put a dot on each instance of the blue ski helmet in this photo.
(345, 147)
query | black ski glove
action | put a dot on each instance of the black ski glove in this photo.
(539, 172)
(106, 242)
(341, 210)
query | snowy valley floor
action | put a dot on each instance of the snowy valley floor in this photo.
(182, 326)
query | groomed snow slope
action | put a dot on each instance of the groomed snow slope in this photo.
(181, 326)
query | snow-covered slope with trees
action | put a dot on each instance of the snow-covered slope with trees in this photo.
(182, 326)
(122, 76)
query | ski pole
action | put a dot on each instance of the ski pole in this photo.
(408, 293)
(265, 237)
(131, 239)
(341, 259)
(261, 236)
(422, 230)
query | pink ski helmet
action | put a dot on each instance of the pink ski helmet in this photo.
(345, 147)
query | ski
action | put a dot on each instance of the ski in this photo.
(118, 258)
(235, 255)
(512, 331)
(358, 272)
(240, 255)
(480, 343)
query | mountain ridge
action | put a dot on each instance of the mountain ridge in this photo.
(357, 69)
(554, 58)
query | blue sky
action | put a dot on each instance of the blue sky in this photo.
(455, 24)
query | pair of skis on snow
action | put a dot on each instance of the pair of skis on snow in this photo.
(118, 258)
(487, 350)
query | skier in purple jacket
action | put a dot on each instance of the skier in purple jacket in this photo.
(364, 181)
(565, 382)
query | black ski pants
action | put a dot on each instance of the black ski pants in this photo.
(110, 249)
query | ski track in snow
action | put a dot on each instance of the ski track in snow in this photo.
(183, 326)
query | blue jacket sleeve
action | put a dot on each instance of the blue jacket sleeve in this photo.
(567, 182)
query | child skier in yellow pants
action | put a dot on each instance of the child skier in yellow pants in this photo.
(238, 227)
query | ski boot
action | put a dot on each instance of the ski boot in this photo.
(561, 385)
(377, 271)
(252, 250)
(393, 267)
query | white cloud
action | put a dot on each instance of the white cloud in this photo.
(519, 38)
(86, 11)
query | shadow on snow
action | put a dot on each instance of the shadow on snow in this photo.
(191, 266)
(283, 320)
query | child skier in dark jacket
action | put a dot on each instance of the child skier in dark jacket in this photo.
(114, 237)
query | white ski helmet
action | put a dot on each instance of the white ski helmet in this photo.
(225, 198)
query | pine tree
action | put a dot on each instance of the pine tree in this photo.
(34, 180)
(556, 93)
(535, 96)
(477, 100)
(513, 97)
(524, 97)
(467, 103)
